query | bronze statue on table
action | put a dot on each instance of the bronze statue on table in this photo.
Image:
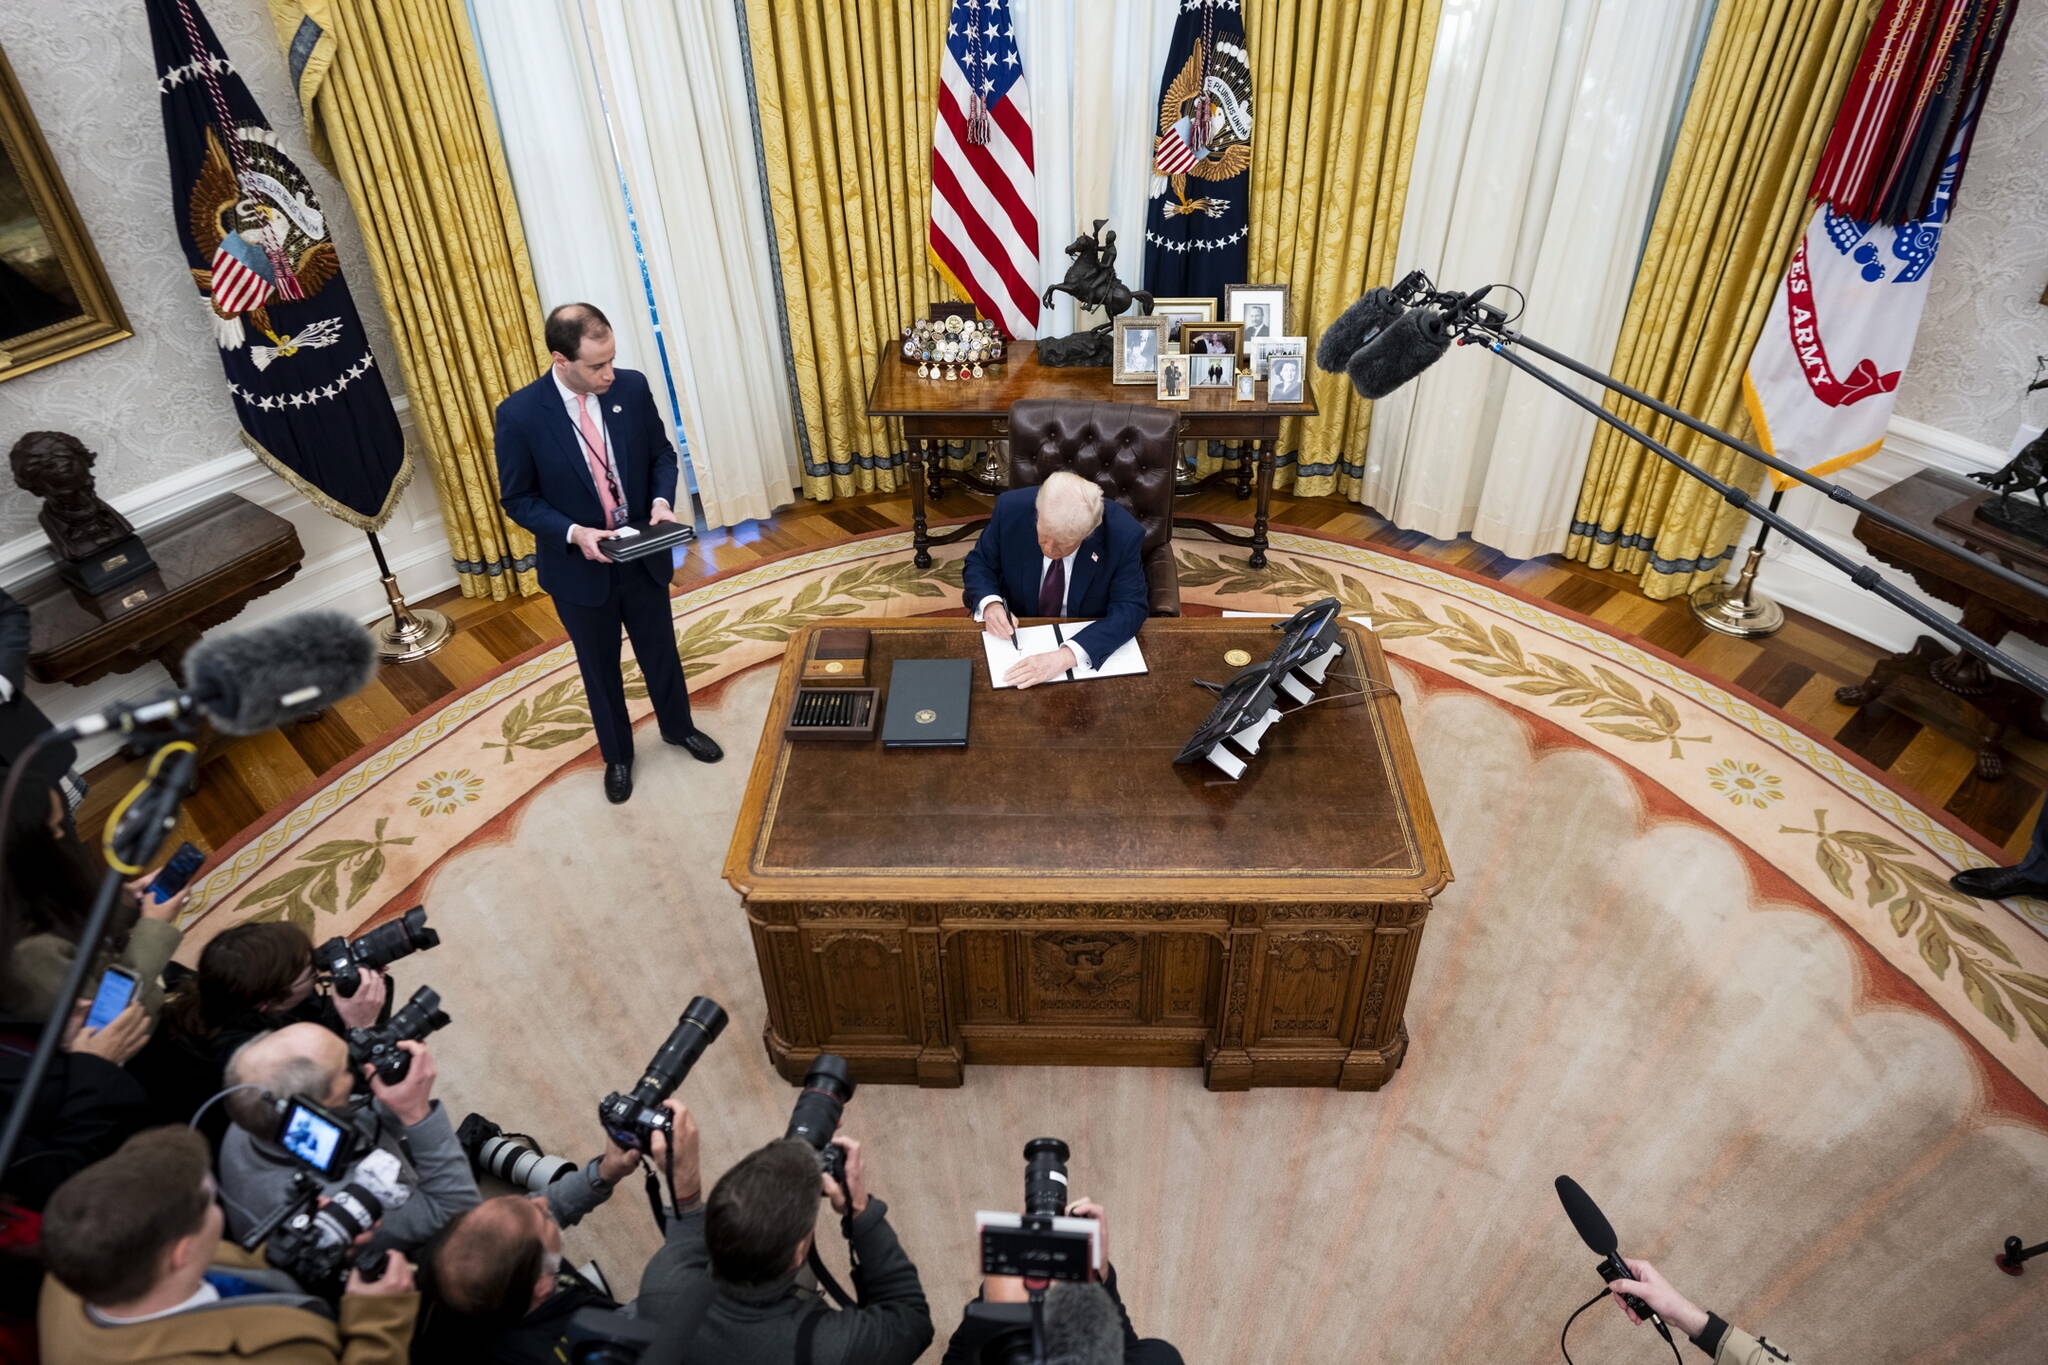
(2026, 472)
(1092, 281)
(96, 547)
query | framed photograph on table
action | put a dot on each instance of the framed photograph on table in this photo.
(1135, 349)
(1247, 387)
(1262, 308)
(1258, 351)
(1173, 375)
(1211, 338)
(1285, 377)
(1178, 311)
(1212, 371)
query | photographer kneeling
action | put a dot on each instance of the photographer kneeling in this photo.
(750, 1239)
(138, 1272)
(499, 1288)
(400, 1117)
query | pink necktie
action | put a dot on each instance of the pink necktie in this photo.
(593, 451)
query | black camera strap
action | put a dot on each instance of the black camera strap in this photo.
(805, 1330)
(826, 1283)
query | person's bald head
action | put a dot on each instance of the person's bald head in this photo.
(1069, 510)
(299, 1059)
(499, 1259)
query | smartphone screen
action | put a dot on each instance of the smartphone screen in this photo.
(178, 871)
(310, 1136)
(117, 988)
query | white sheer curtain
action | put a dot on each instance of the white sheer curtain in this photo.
(675, 79)
(1535, 165)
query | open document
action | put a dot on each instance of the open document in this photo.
(1004, 654)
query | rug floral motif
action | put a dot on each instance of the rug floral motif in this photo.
(1866, 853)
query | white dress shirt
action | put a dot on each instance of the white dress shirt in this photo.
(1066, 595)
(574, 402)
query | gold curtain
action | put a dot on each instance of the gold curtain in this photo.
(395, 102)
(1734, 202)
(846, 94)
(1336, 97)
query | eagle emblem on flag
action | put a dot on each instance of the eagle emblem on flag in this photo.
(1205, 129)
(266, 244)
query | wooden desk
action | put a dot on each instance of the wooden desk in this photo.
(1945, 505)
(1058, 892)
(934, 412)
(210, 563)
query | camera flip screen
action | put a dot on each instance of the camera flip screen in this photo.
(312, 1137)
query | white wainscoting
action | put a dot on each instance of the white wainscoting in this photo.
(1801, 580)
(338, 571)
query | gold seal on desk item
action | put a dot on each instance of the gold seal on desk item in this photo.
(835, 667)
(1237, 658)
(926, 716)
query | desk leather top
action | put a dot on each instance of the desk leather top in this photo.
(1070, 788)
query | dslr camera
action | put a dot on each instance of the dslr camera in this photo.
(307, 1238)
(819, 1105)
(379, 1047)
(1040, 1245)
(632, 1119)
(343, 961)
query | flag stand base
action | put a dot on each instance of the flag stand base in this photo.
(1737, 608)
(409, 634)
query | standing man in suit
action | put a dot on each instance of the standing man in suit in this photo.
(1059, 549)
(582, 450)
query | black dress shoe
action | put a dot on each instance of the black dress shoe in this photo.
(702, 747)
(618, 782)
(1997, 883)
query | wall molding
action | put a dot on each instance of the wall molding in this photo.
(338, 571)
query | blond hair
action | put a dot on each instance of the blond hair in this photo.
(1069, 506)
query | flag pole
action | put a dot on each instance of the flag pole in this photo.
(1737, 608)
(410, 634)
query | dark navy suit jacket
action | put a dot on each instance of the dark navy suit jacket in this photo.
(545, 484)
(1109, 571)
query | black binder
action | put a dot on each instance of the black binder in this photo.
(927, 703)
(651, 539)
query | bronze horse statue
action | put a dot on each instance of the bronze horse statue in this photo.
(1092, 280)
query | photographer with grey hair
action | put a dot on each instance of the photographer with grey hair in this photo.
(1059, 550)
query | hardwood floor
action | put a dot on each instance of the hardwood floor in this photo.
(1920, 740)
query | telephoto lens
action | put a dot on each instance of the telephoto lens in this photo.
(828, 1085)
(632, 1119)
(345, 960)
(1045, 1177)
(513, 1158)
(379, 1047)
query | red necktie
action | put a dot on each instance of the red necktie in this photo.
(593, 451)
(1052, 593)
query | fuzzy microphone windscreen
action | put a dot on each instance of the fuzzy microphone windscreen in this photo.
(1359, 324)
(1414, 342)
(255, 680)
(1082, 1326)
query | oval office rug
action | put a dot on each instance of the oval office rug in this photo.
(1696, 956)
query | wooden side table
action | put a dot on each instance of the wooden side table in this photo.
(934, 412)
(1945, 504)
(211, 562)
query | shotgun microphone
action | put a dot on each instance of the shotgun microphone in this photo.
(1403, 349)
(1598, 1235)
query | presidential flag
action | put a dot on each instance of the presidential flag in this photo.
(1198, 223)
(984, 230)
(311, 400)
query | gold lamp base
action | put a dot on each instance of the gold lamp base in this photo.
(1737, 608)
(411, 633)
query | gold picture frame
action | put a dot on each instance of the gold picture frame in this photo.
(55, 298)
(1231, 335)
(1136, 344)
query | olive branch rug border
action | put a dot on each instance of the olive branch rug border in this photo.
(1874, 859)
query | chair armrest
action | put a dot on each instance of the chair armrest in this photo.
(1162, 581)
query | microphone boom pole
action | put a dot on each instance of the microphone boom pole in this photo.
(1861, 575)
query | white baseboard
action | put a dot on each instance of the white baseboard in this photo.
(337, 573)
(1801, 580)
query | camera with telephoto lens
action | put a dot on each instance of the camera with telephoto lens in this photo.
(632, 1119)
(827, 1088)
(1035, 1247)
(313, 1243)
(345, 960)
(513, 1158)
(379, 1047)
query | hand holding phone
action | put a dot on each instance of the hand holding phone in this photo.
(117, 989)
(173, 876)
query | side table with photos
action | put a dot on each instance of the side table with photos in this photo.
(1227, 389)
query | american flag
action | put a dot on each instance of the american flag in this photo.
(984, 232)
(241, 279)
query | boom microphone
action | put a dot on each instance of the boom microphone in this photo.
(1358, 325)
(256, 679)
(1403, 349)
(1082, 1326)
(1598, 1235)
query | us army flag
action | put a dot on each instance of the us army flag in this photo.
(311, 400)
(1821, 380)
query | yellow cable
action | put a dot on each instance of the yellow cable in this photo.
(156, 761)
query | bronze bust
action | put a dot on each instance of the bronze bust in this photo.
(57, 468)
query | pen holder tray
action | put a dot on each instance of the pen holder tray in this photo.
(843, 713)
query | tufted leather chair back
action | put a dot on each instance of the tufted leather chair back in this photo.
(1128, 448)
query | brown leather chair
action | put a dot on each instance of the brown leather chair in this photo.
(1128, 448)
